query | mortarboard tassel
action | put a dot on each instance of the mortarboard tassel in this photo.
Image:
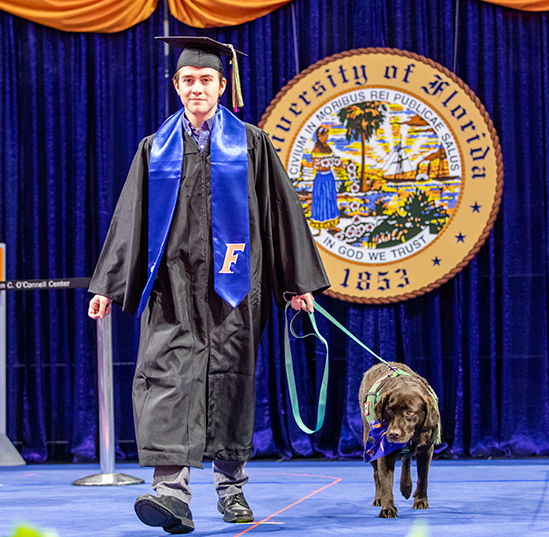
(238, 102)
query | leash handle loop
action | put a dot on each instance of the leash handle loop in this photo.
(322, 396)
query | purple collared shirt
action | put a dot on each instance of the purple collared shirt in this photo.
(201, 136)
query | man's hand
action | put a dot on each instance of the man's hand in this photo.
(100, 306)
(303, 302)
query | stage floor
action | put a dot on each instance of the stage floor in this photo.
(297, 498)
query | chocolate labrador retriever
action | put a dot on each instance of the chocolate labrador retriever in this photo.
(400, 417)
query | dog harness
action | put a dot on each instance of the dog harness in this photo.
(377, 445)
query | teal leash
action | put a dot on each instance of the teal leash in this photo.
(288, 327)
(347, 333)
(321, 412)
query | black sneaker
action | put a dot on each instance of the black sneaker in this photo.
(235, 509)
(171, 513)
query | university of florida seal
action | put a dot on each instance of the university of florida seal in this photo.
(397, 166)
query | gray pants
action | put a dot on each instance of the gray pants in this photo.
(229, 477)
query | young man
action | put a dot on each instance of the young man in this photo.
(208, 225)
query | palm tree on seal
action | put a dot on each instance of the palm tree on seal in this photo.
(362, 121)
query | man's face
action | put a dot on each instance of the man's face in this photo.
(199, 90)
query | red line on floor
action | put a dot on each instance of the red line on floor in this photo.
(337, 480)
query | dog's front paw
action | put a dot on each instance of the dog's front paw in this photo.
(406, 488)
(388, 512)
(421, 503)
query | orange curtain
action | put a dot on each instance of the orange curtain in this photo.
(82, 15)
(523, 5)
(208, 13)
(117, 15)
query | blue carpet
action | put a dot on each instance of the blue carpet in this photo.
(466, 498)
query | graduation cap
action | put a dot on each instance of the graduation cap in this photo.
(203, 52)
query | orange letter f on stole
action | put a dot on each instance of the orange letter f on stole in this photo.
(231, 256)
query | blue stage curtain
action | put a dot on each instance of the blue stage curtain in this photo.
(73, 109)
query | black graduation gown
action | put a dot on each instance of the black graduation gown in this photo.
(194, 385)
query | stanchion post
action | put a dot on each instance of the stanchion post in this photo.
(9, 456)
(106, 413)
(106, 399)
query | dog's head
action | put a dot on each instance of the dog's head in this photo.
(409, 411)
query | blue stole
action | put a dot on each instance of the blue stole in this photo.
(229, 194)
(377, 445)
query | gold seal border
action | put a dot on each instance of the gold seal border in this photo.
(493, 135)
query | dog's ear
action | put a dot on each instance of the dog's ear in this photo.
(378, 408)
(432, 416)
